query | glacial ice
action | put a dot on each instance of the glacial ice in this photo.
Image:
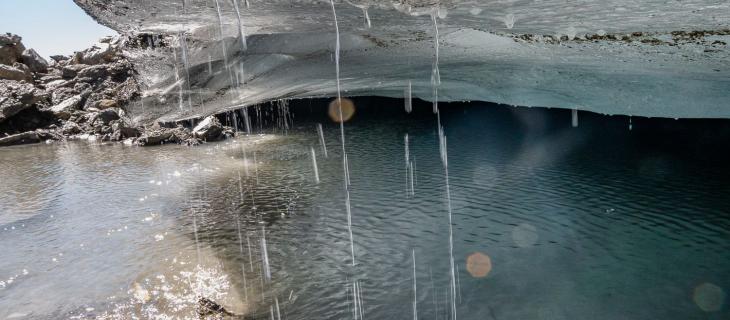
(641, 58)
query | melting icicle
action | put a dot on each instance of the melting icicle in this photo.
(415, 295)
(435, 73)
(574, 118)
(241, 31)
(320, 131)
(314, 164)
(408, 95)
(222, 40)
(342, 132)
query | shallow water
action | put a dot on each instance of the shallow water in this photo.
(593, 222)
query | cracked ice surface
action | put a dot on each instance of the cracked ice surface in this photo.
(645, 58)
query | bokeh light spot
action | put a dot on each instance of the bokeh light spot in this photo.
(708, 297)
(348, 110)
(479, 265)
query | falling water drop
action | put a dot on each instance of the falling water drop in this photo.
(265, 255)
(631, 125)
(367, 17)
(342, 132)
(574, 118)
(314, 164)
(408, 96)
(415, 295)
(509, 20)
(320, 131)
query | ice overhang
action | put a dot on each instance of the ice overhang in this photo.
(643, 58)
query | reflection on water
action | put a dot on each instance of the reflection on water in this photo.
(550, 221)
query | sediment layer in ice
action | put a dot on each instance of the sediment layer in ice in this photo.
(644, 58)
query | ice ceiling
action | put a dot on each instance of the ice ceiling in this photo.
(667, 58)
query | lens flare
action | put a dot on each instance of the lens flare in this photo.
(348, 110)
(708, 297)
(479, 265)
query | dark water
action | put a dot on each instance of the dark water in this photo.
(594, 222)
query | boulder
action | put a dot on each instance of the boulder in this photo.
(155, 137)
(11, 48)
(70, 71)
(60, 58)
(94, 72)
(17, 96)
(34, 61)
(99, 53)
(121, 130)
(65, 109)
(107, 116)
(70, 128)
(15, 72)
(20, 138)
(210, 129)
(105, 104)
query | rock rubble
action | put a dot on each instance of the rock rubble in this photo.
(83, 96)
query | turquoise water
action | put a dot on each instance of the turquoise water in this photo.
(593, 222)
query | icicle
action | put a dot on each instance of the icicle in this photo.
(408, 95)
(241, 31)
(320, 131)
(314, 164)
(574, 118)
(435, 73)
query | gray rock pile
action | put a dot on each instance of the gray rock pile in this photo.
(82, 96)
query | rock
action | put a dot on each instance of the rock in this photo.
(15, 72)
(20, 138)
(122, 131)
(107, 116)
(34, 61)
(70, 71)
(70, 128)
(210, 129)
(11, 48)
(55, 84)
(154, 137)
(94, 72)
(105, 104)
(17, 96)
(60, 58)
(65, 109)
(99, 53)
